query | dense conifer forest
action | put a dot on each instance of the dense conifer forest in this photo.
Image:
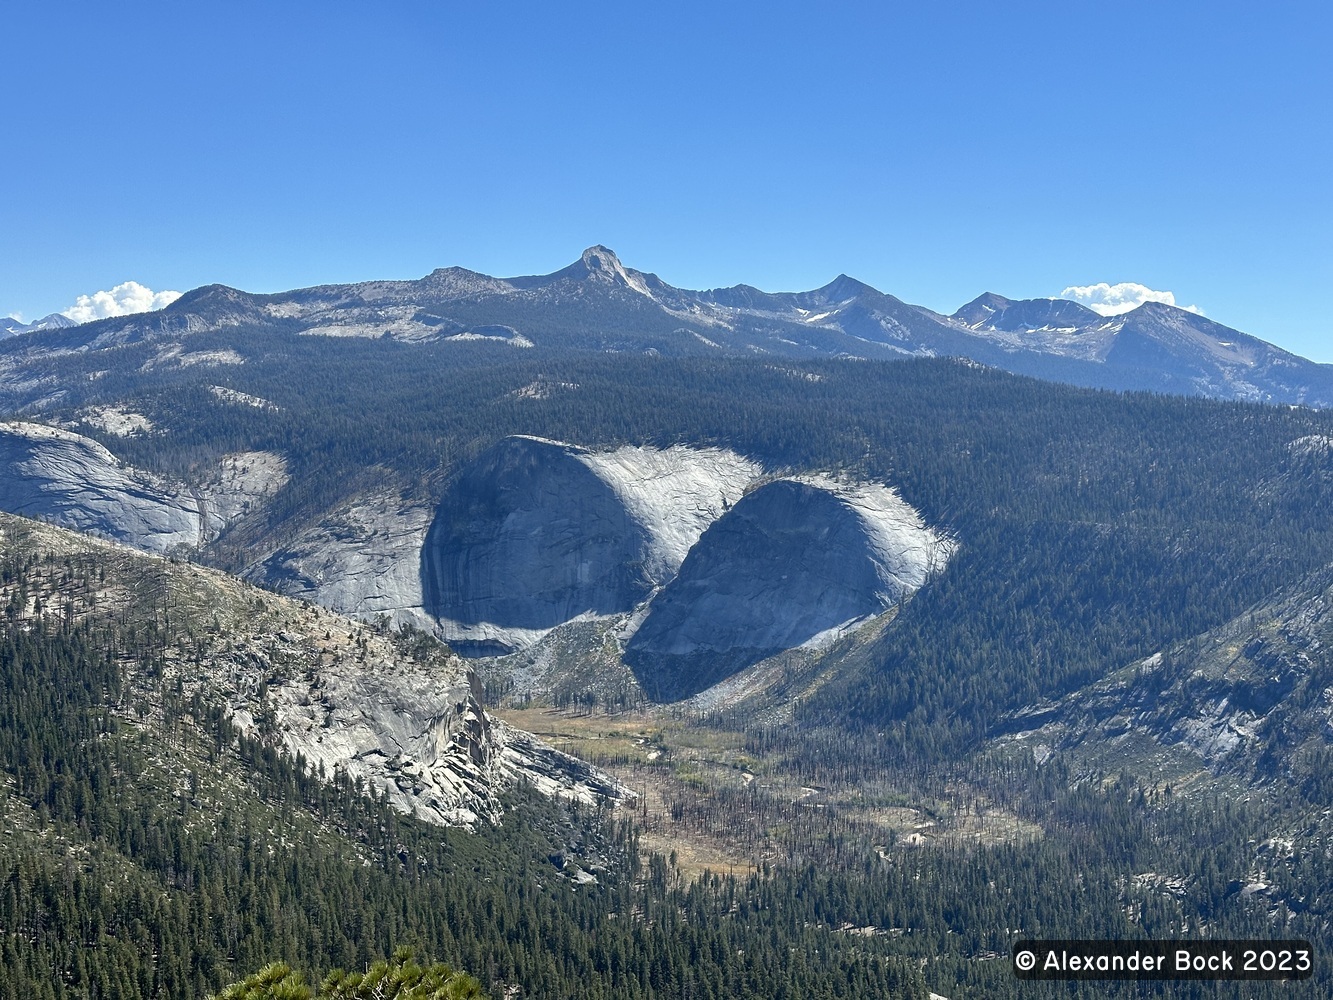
(164, 856)
(1094, 529)
(153, 854)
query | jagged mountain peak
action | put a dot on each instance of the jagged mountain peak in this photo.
(55, 321)
(598, 265)
(598, 303)
(842, 288)
(602, 260)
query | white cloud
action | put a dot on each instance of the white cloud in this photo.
(1112, 300)
(16, 317)
(126, 298)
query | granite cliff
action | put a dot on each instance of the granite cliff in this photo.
(536, 533)
(57, 476)
(708, 563)
(797, 561)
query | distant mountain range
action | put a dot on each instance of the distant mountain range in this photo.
(12, 327)
(599, 304)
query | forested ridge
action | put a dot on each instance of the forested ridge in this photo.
(151, 851)
(164, 856)
(1094, 529)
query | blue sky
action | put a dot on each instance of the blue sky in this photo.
(934, 150)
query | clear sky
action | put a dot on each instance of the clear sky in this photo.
(935, 149)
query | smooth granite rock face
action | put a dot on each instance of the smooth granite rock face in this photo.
(796, 562)
(65, 479)
(531, 538)
(362, 560)
(708, 578)
(537, 533)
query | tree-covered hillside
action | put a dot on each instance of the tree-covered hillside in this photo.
(1093, 527)
(149, 850)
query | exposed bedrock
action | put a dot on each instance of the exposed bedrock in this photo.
(360, 559)
(536, 533)
(795, 562)
(529, 538)
(71, 481)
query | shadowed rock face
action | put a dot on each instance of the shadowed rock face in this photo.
(791, 561)
(528, 539)
(536, 533)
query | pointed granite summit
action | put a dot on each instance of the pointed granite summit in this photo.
(598, 265)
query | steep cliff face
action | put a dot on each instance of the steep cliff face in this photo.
(702, 578)
(530, 538)
(415, 731)
(537, 533)
(69, 480)
(796, 562)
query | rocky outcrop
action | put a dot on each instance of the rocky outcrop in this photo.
(56, 475)
(796, 562)
(240, 485)
(421, 736)
(537, 533)
(1249, 698)
(362, 559)
(390, 708)
(61, 477)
